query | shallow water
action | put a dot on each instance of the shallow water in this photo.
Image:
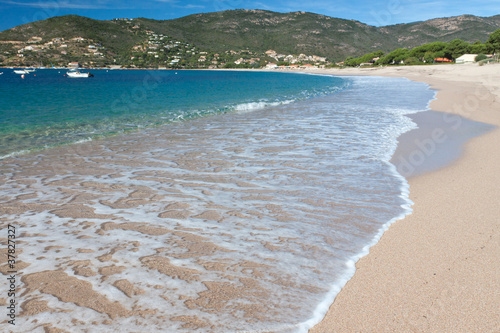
(49, 109)
(242, 221)
(436, 143)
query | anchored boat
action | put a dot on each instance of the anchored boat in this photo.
(77, 73)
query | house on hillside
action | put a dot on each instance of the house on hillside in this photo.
(271, 53)
(271, 66)
(466, 59)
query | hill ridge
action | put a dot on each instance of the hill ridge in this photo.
(253, 30)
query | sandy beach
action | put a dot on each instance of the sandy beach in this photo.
(436, 270)
(159, 229)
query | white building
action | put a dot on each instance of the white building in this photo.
(466, 58)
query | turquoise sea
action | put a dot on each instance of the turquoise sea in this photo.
(197, 201)
(47, 108)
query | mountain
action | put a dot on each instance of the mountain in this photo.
(114, 36)
(466, 27)
(258, 30)
(221, 37)
(303, 32)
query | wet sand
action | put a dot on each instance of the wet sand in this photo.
(81, 252)
(437, 269)
(437, 142)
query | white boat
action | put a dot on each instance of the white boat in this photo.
(77, 73)
(23, 71)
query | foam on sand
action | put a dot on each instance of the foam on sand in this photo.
(242, 221)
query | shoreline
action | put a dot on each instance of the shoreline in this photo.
(352, 307)
(436, 143)
(102, 195)
(443, 275)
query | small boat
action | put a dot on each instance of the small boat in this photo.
(24, 71)
(77, 73)
(1, 73)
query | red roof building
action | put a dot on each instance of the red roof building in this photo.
(438, 60)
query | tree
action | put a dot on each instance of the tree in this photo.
(395, 56)
(478, 48)
(480, 57)
(423, 52)
(494, 40)
(412, 61)
(429, 57)
(456, 48)
(350, 61)
(363, 59)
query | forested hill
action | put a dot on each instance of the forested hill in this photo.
(228, 33)
(302, 32)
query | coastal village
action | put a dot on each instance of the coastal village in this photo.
(165, 53)
(158, 51)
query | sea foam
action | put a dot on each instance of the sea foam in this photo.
(244, 221)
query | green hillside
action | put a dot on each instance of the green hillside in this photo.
(259, 31)
(466, 27)
(109, 33)
(222, 38)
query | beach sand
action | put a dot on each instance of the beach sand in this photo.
(436, 270)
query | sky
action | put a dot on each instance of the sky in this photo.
(372, 12)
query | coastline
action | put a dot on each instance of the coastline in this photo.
(403, 306)
(436, 270)
(92, 199)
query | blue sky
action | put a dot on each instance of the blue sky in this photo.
(373, 12)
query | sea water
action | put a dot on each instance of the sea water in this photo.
(227, 201)
(48, 108)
